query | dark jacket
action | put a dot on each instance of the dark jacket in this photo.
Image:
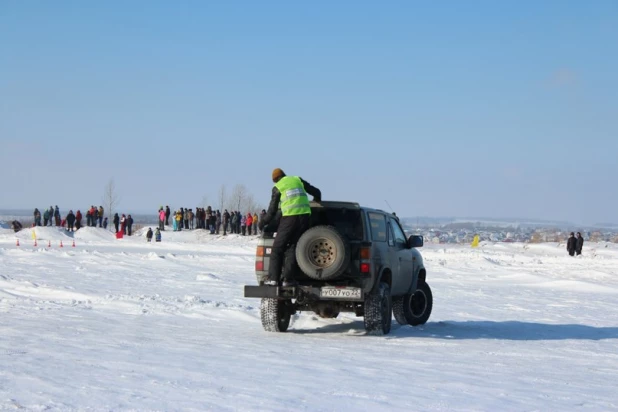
(571, 244)
(579, 244)
(275, 198)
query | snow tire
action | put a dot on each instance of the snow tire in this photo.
(398, 310)
(378, 311)
(418, 305)
(275, 315)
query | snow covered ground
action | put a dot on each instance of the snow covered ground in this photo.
(126, 325)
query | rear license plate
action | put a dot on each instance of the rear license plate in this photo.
(340, 293)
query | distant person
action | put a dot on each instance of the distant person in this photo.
(162, 217)
(157, 235)
(105, 223)
(149, 234)
(100, 215)
(129, 225)
(57, 215)
(70, 221)
(571, 244)
(167, 215)
(116, 221)
(16, 226)
(37, 217)
(579, 244)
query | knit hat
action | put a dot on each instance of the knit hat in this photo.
(277, 174)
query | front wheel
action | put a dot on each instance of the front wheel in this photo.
(275, 315)
(418, 304)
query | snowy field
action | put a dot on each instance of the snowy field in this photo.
(126, 325)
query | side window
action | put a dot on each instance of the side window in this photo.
(378, 227)
(400, 237)
(391, 237)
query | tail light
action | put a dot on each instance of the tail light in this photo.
(365, 260)
(259, 259)
(365, 253)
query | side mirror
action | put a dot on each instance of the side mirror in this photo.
(415, 241)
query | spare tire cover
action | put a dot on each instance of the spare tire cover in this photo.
(322, 253)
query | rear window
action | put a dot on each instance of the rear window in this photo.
(347, 221)
(378, 227)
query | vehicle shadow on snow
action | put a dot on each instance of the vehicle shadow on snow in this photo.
(452, 330)
(506, 330)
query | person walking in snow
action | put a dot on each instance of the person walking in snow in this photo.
(579, 244)
(149, 234)
(571, 244)
(157, 235)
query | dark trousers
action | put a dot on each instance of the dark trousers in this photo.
(571, 252)
(284, 247)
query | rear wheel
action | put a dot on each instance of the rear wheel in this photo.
(378, 311)
(275, 315)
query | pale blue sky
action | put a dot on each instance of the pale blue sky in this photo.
(476, 108)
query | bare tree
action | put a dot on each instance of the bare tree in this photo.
(222, 198)
(204, 201)
(110, 198)
(238, 196)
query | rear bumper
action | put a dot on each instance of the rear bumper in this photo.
(270, 292)
(278, 292)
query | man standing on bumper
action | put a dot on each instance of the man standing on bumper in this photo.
(291, 193)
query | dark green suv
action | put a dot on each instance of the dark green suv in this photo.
(352, 259)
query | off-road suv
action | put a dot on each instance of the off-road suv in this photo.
(352, 259)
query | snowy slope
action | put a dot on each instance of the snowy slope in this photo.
(126, 325)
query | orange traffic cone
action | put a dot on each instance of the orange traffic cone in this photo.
(61, 244)
(73, 243)
(17, 242)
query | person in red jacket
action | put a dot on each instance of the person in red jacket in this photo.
(78, 220)
(249, 221)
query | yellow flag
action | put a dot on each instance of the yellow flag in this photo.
(475, 242)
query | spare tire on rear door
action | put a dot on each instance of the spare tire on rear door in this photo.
(322, 253)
